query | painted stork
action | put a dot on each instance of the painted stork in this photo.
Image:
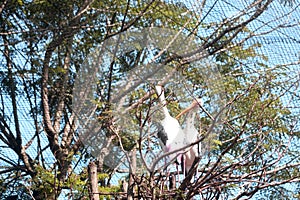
(190, 135)
(169, 130)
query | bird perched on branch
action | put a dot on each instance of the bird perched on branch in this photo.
(174, 137)
(170, 131)
(190, 135)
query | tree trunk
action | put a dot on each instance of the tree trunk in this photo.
(93, 179)
(130, 192)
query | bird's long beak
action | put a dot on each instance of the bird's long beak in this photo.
(194, 104)
(183, 112)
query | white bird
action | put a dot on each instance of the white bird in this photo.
(170, 131)
(190, 135)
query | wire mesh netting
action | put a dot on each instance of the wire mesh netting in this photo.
(275, 32)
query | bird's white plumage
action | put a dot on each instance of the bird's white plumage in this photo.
(171, 127)
(177, 137)
(190, 135)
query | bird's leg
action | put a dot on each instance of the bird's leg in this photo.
(183, 169)
(178, 162)
(177, 169)
(163, 182)
(172, 181)
(167, 174)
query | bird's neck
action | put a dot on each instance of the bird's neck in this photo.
(163, 102)
(165, 111)
(192, 113)
(191, 116)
